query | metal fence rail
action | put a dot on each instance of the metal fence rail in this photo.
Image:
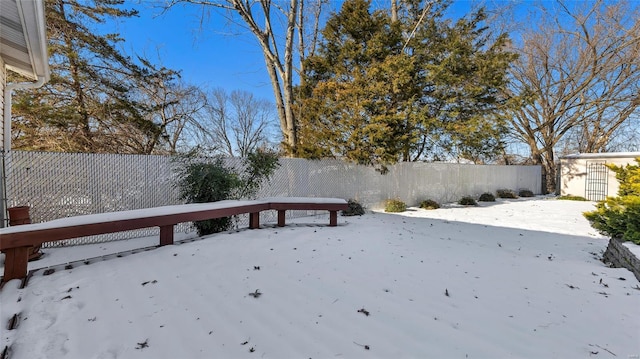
(59, 185)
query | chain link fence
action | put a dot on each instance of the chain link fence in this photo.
(59, 185)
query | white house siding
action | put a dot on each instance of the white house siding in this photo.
(574, 173)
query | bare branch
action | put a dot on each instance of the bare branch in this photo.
(580, 78)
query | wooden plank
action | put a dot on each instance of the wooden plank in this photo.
(15, 263)
(310, 206)
(254, 220)
(333, 218)
(281, 217)
(166, 235)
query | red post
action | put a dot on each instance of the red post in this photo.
(19, 216)
(166, 235)
(254, 220)
(15, 263)
(281, 217)
(333, 218)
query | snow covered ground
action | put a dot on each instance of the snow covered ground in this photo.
(514, 278)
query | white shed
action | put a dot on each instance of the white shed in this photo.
(586, 175)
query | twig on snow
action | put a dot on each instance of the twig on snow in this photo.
(144, 344)
(605, 349)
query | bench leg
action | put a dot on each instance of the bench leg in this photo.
(281, 217)
(254, 220)
(333, 218)
(15, 263)
(166, 235)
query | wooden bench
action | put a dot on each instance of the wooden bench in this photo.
(15, 241)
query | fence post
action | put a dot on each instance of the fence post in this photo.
(558, 178)
(3, 193)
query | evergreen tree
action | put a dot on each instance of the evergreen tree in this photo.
(353, 99)
(378, 92)
(91, 102)
(463, 73)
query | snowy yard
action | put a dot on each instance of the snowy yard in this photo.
(518, 278)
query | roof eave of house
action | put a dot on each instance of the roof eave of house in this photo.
(602, 155)
(32, 18)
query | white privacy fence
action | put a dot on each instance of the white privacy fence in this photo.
(58, 185)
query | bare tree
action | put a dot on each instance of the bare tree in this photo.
(174, 107)
(578, 73)
(262, 18)
(252, 118)
(215, 122)
(308, 31)
(236, 124)
(183, 116)
(171, 108)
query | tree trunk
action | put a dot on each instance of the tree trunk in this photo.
(287, 77)
(280, 70)
(394, 10)
(83, 127)
(549, 166)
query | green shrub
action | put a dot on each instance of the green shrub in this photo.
(619, 217)
(201, 182)
(487, 197)
(207, 179)
(395, 205)
(506, 193)
(571, 198)
(355, 209)
(467, 201)
(525, 193)
(429, 204)
(257, 168)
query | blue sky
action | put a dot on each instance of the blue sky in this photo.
(206, 57)
(209, 54)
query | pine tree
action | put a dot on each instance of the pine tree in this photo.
(354, 98)
(464, 73)
(91, 99)
(378, 92)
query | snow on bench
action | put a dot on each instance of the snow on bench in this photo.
(15, 241)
